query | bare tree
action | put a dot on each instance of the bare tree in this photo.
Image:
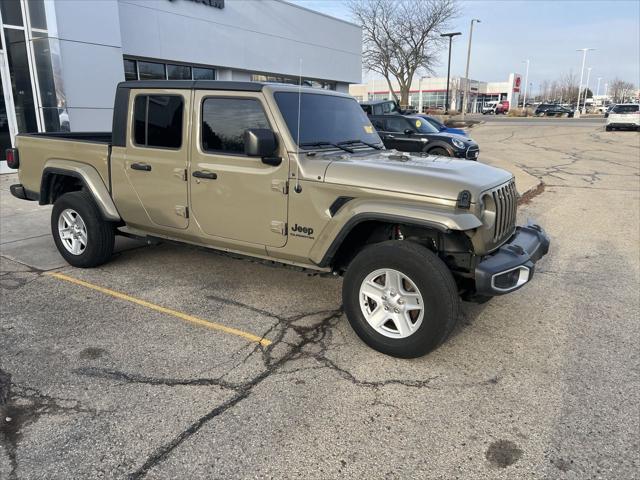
(619, 90)
(401, 37)
(569, 87)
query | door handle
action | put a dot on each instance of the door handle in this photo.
(141, 166)
(390, 136)
(209, 175)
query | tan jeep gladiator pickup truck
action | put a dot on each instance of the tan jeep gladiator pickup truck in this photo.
(293, 175)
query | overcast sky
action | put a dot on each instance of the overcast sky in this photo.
(546, 32)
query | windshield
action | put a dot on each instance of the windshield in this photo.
(325, 119)
(423, 126)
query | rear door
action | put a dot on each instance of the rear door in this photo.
(156, 157)
(234, 196)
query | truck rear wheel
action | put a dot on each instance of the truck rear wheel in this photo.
(400, 298)
(82, 236)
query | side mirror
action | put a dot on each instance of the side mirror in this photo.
(260, 142)
(408, 131)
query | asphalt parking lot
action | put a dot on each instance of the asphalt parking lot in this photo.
(175, 362)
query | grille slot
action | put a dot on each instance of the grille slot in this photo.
(505, 199)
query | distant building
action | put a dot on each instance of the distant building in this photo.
(433, 92)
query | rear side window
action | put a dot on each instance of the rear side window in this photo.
(224, 121)
(626, 108)
(157, 121)
(396, 124)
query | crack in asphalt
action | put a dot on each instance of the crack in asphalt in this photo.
(243, 390)
(21, 406)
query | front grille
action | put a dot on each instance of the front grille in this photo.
(505, 198)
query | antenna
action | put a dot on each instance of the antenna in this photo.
(298, 187)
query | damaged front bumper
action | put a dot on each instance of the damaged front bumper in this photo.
(513, 264)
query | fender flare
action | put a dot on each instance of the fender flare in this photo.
(435, 219)
(90, 179)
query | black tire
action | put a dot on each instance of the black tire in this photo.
(608, 128)
(439, 151)
(100, 233)
(433, 281)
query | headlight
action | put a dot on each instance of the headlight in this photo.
(458, 144)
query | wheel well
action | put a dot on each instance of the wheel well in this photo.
(56, 184)
(374, 231)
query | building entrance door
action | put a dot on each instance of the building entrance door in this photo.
(7, 114)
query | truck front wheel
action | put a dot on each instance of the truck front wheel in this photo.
(400, 298)
(82, 236)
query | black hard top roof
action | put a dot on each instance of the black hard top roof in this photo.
(196, 84)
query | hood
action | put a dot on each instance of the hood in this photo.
(450, 134)
(432, 176)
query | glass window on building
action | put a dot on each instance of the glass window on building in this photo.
(203, 73)
(23, 98)
(11, 12)
(37, 14)
(130, 70)
(152, 71)
(224, 121)
(178, 72)
(158, 121)
(42, 50)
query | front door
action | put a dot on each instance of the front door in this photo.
(157, 155)
(395, 128)
(234, 196)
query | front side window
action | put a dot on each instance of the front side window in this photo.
(422, 126)
(325, 118)
(157, 121)
(224, 121)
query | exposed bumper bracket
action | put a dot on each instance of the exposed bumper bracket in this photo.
(513, 264)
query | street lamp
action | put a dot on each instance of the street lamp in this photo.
(584, 58)
(598, 87)
(586, 92)
(466, 72)
(450, 35)
(420, 93)
(526, 83)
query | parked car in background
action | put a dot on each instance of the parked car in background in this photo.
(609, 108)
(380, 107)
(624, 115)
(441, 127)
(411, 133)
(495, 108)
(553, 110)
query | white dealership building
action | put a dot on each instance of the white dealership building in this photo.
(433, 92)
(61, 60)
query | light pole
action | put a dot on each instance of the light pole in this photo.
(466, 72)
(598, 87)
(584, 58)
(526, 83)
(420, 104)
(446, 99)
(586, 92)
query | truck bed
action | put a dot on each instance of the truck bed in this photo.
(41, 150)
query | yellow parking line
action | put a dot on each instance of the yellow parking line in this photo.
(183, 316)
